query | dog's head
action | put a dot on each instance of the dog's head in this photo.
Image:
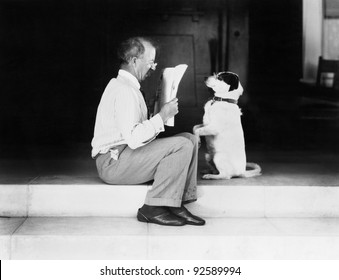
(225, 85)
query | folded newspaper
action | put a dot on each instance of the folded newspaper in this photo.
(168, 87)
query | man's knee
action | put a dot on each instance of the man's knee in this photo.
(185, 143)
(190, 136)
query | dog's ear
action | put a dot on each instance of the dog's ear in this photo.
(229, 78)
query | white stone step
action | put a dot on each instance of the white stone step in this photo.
(293, 184)
(66, 196)
(126, 238)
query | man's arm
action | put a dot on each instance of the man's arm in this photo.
(169, 110)
(131, 119)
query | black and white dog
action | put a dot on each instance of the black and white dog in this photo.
(223, 131)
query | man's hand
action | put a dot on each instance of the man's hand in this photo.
(169, 110)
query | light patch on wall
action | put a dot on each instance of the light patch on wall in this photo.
(331, 38)
(312, 37)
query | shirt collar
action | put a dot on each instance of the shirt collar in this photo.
(129, 77)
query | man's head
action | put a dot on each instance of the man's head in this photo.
(137, 56)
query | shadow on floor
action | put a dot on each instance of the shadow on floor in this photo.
(281, 167)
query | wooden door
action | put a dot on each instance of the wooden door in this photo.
(185, 36)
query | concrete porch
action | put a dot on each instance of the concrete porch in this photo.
(57, 208)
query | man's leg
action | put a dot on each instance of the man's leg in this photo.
(165, 160)
(190, 192)
(172, 163)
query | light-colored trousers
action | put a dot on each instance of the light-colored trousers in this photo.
(171, 162)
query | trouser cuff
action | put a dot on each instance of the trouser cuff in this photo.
(154, 201)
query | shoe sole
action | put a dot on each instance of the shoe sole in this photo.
(195, 224)
(142, 218)
(201, 223)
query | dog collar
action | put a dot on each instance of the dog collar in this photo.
(229, 100)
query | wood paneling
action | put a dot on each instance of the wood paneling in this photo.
(57, 56)
(174, 50)
(185, 36)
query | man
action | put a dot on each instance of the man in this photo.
(125, 145)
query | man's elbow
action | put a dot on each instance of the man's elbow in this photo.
(133, 145)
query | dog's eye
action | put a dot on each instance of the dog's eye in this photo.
(220, 76)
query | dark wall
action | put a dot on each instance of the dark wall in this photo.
(43, 73)
(55, 63)
(57, 57)
(275, 44)
(275, 67)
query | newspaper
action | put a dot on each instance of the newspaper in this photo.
(168, 87)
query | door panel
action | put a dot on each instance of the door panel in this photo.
(174, 50)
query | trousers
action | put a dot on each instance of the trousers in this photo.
(170, 162)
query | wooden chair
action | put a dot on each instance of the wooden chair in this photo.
(324, 94)
(328, 76)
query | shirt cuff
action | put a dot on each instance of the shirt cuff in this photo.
(157, 123)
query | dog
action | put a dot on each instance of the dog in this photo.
(222, 128)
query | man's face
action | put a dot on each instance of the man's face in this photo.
(144, 64)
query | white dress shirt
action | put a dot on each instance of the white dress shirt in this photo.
(122, 116)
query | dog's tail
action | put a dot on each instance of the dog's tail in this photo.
(254, 170)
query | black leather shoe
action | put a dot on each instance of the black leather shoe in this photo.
(166, 218)
(191, 219)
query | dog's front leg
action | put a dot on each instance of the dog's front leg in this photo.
(196, 133)
(206, 130)
(201, 130)
(195, 128)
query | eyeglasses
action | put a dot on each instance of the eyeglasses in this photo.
(151, 64)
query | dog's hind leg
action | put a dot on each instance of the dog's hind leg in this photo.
(221, 165)
(210, 166)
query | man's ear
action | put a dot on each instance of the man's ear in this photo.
(133, 60)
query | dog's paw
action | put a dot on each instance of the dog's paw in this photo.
(196, 129)
(207, 176)
(215, 177)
